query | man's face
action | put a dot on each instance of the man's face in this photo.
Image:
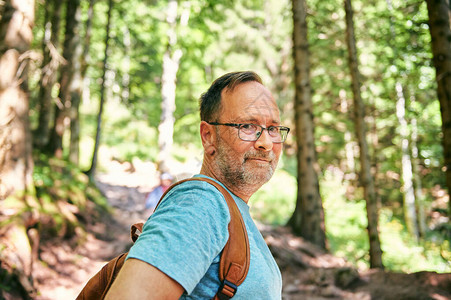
(244, 162)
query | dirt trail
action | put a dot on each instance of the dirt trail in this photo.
(68, 266)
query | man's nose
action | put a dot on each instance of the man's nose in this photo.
(264, 141)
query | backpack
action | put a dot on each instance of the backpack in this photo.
(233, 266)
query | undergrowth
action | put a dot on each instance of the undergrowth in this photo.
(66, 198)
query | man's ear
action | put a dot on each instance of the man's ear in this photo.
(208, 137)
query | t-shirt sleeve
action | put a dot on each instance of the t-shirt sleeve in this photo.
(184, 235)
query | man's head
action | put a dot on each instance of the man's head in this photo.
(210, 101)
(240, 132)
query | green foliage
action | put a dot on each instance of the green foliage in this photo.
(402, 254)
(346, 233)
(64, 197)
(345, 222)
(273, 203)
(128, 135)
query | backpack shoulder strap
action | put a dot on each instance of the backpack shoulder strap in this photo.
(235, 257)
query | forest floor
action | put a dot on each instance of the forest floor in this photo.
(308, 272)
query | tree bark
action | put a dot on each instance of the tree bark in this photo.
(16, 164)
(171, 59)
(69, 80)
(416, 167)
(92, 169)
(359, 121)
(50, 65)
(439, 26)
(85, 57)
(75, 86)
(308, 217)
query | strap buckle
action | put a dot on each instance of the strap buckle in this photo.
(227, 290)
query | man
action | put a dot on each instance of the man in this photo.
(177, 255)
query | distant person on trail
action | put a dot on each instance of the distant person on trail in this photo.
(177, 254)
(154, 196)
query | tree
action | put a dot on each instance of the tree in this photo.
(171, 60)
(308, 217)
(422, 227)
(410, 215)
(92, 169)
(50, 64)
(439, 26)
(359, 121)
(70, 84)
(16, 164)
(75, 86)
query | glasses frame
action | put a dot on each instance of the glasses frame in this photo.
(258, 135)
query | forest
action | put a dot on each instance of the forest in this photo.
(98, 97)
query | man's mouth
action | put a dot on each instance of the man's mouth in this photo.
(259, 159)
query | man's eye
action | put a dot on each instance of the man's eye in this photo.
(272, 129)
(247, 126)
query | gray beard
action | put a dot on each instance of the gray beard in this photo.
(236, 173)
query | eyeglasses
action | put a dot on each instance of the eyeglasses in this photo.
(251, 132)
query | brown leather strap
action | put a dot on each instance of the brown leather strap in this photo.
(108, 273)
(136, 230)
(235, 257)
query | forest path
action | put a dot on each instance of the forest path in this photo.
(68, 267)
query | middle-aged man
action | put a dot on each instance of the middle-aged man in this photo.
(177, 255)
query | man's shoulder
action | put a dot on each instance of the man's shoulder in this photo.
(197, 184)
(195, 191)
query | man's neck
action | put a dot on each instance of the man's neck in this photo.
(243, 192)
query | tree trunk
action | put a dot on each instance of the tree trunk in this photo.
(75, 85)
(359, 121)
(50, 65)
(71, 54)
(75, 95)
(171, 59)
(439, 26)
(308, 217)
(92, 169)
(16, 164)
(125, 94)
(86, 58)
(416, 175)
(349, 166)
(76, 98)
(410, 214)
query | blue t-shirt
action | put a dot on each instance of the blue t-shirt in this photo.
(184, 238)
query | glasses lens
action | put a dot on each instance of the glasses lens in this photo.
(251, 132)
(277, 134)
(283, 133)
(248, 132)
